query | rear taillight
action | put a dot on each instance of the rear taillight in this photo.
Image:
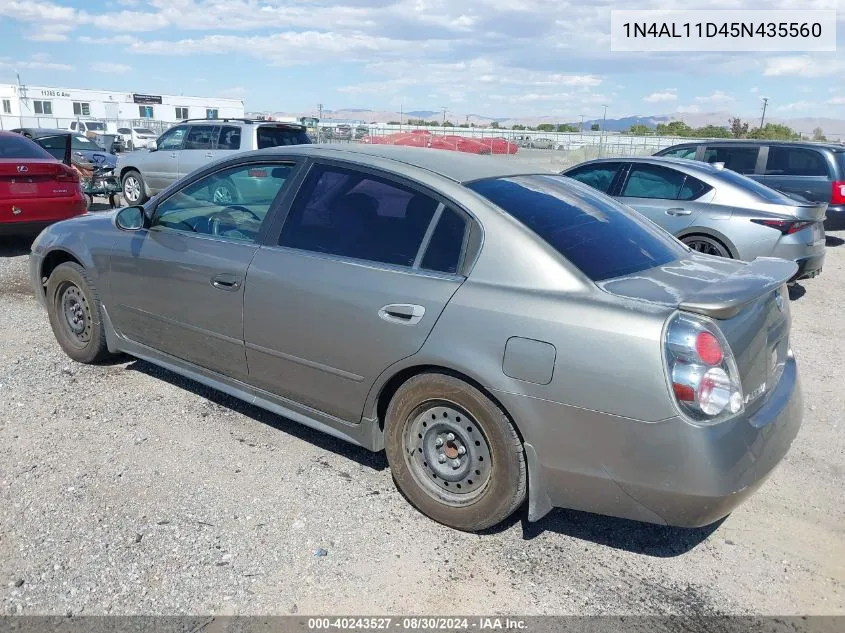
(701, 370)
(787, 227)
(66, 174)
(837, 194)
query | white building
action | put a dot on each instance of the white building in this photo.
(43, 106)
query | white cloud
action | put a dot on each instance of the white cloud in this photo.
(110, 68)
(836, 101)
(689, 109)
(670, 94)
(754, 90)
(798, 105)
(718, 97)
(804, 66)
(33, 64)
(235, 92)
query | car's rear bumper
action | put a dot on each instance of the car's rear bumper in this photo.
(667, 472)
(835, 217)
(809, 266)
(25, 228)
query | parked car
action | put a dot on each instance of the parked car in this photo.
(361, 131)
(542, 143)
(137, 137)
(36, 189)
(192, 144)
(714, 210)
(53, 140)
(91, 129)
(372, 293)
(814, 171)
(343, 132)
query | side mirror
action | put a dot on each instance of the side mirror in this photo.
(130, 219)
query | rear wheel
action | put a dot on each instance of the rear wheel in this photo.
(454, 453)
(76, 315)
(134, 190)
(707, 245)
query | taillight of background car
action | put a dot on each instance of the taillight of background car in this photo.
(837, 194)
(701, 370)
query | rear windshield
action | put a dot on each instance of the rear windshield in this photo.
(271, 136)
(15, 146)
(143, 130)
(95, 126)
(766, 194)
(601, 237)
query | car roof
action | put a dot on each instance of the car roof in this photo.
(460, 167)
(758, 142)
(686, 164)
(38, 132)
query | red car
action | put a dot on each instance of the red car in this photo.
(35, 188)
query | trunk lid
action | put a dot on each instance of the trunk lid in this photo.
(800, 210)
(748, 300)
(34, 178)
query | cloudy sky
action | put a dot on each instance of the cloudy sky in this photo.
(488, 57)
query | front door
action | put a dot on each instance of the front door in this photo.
(178, 286)
(198, 150)
(663, 195)
(161, 167)
(347, 292)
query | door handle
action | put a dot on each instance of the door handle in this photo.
(225, 282)
(173, 155)
(209, 155)
(678, 211)
(403, 313)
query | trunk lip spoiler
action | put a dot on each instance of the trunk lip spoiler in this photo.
(725, 299)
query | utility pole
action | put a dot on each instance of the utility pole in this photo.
(763, 118)
(602, 135)
(444, 115)
(401, 115)
(319, 121)
(582, 123)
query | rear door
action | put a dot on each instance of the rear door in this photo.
(354, 282)
(799, 170)
(666, 196)
(160, 168)
(198, 149)
(741, 158)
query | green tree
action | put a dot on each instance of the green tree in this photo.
(774, 132)
(448, 124)
(495, 125)
(464, 125)
(595, 127)
(712, 131)
(566, 127)
(738, 128)
(818, 135)
(546, 127)
(517, 126)
(673, 128)
(639, 130)
(394, 123)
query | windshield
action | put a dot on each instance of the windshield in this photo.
(95, 126)
(271, 136)
(603, 238)
(77, 142)
(143, 130)
(14, 146)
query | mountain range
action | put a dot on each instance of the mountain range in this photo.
(834, 129)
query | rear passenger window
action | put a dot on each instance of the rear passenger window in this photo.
(201, 137)
(352, 214)
(598, 176)
(653, 181)
(693, 189)
(443, 253)
(742, 160)
(794, 161)
(230, 137)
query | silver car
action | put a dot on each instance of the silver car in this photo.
(714, 210)
(507, 337)
(194, 143)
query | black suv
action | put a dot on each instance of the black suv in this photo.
(815, 171)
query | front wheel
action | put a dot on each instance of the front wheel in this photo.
(76, 314)
(134, 190)
(454, 453)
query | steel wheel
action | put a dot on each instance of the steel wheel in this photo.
(706, 245)
(447, 453)
(76, 312)
(132, 189)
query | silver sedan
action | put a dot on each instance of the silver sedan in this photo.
(508, 337)
(714, 210)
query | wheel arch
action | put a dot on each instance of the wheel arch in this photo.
(720, 237)
(53, 259)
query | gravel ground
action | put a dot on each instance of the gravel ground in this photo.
(127, 489)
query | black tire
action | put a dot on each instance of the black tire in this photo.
(114, 200)
(70, 289)
(500, 480)
(707, 245)
(134, 189)
(89, 201)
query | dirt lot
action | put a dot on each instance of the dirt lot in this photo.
(126, 489)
